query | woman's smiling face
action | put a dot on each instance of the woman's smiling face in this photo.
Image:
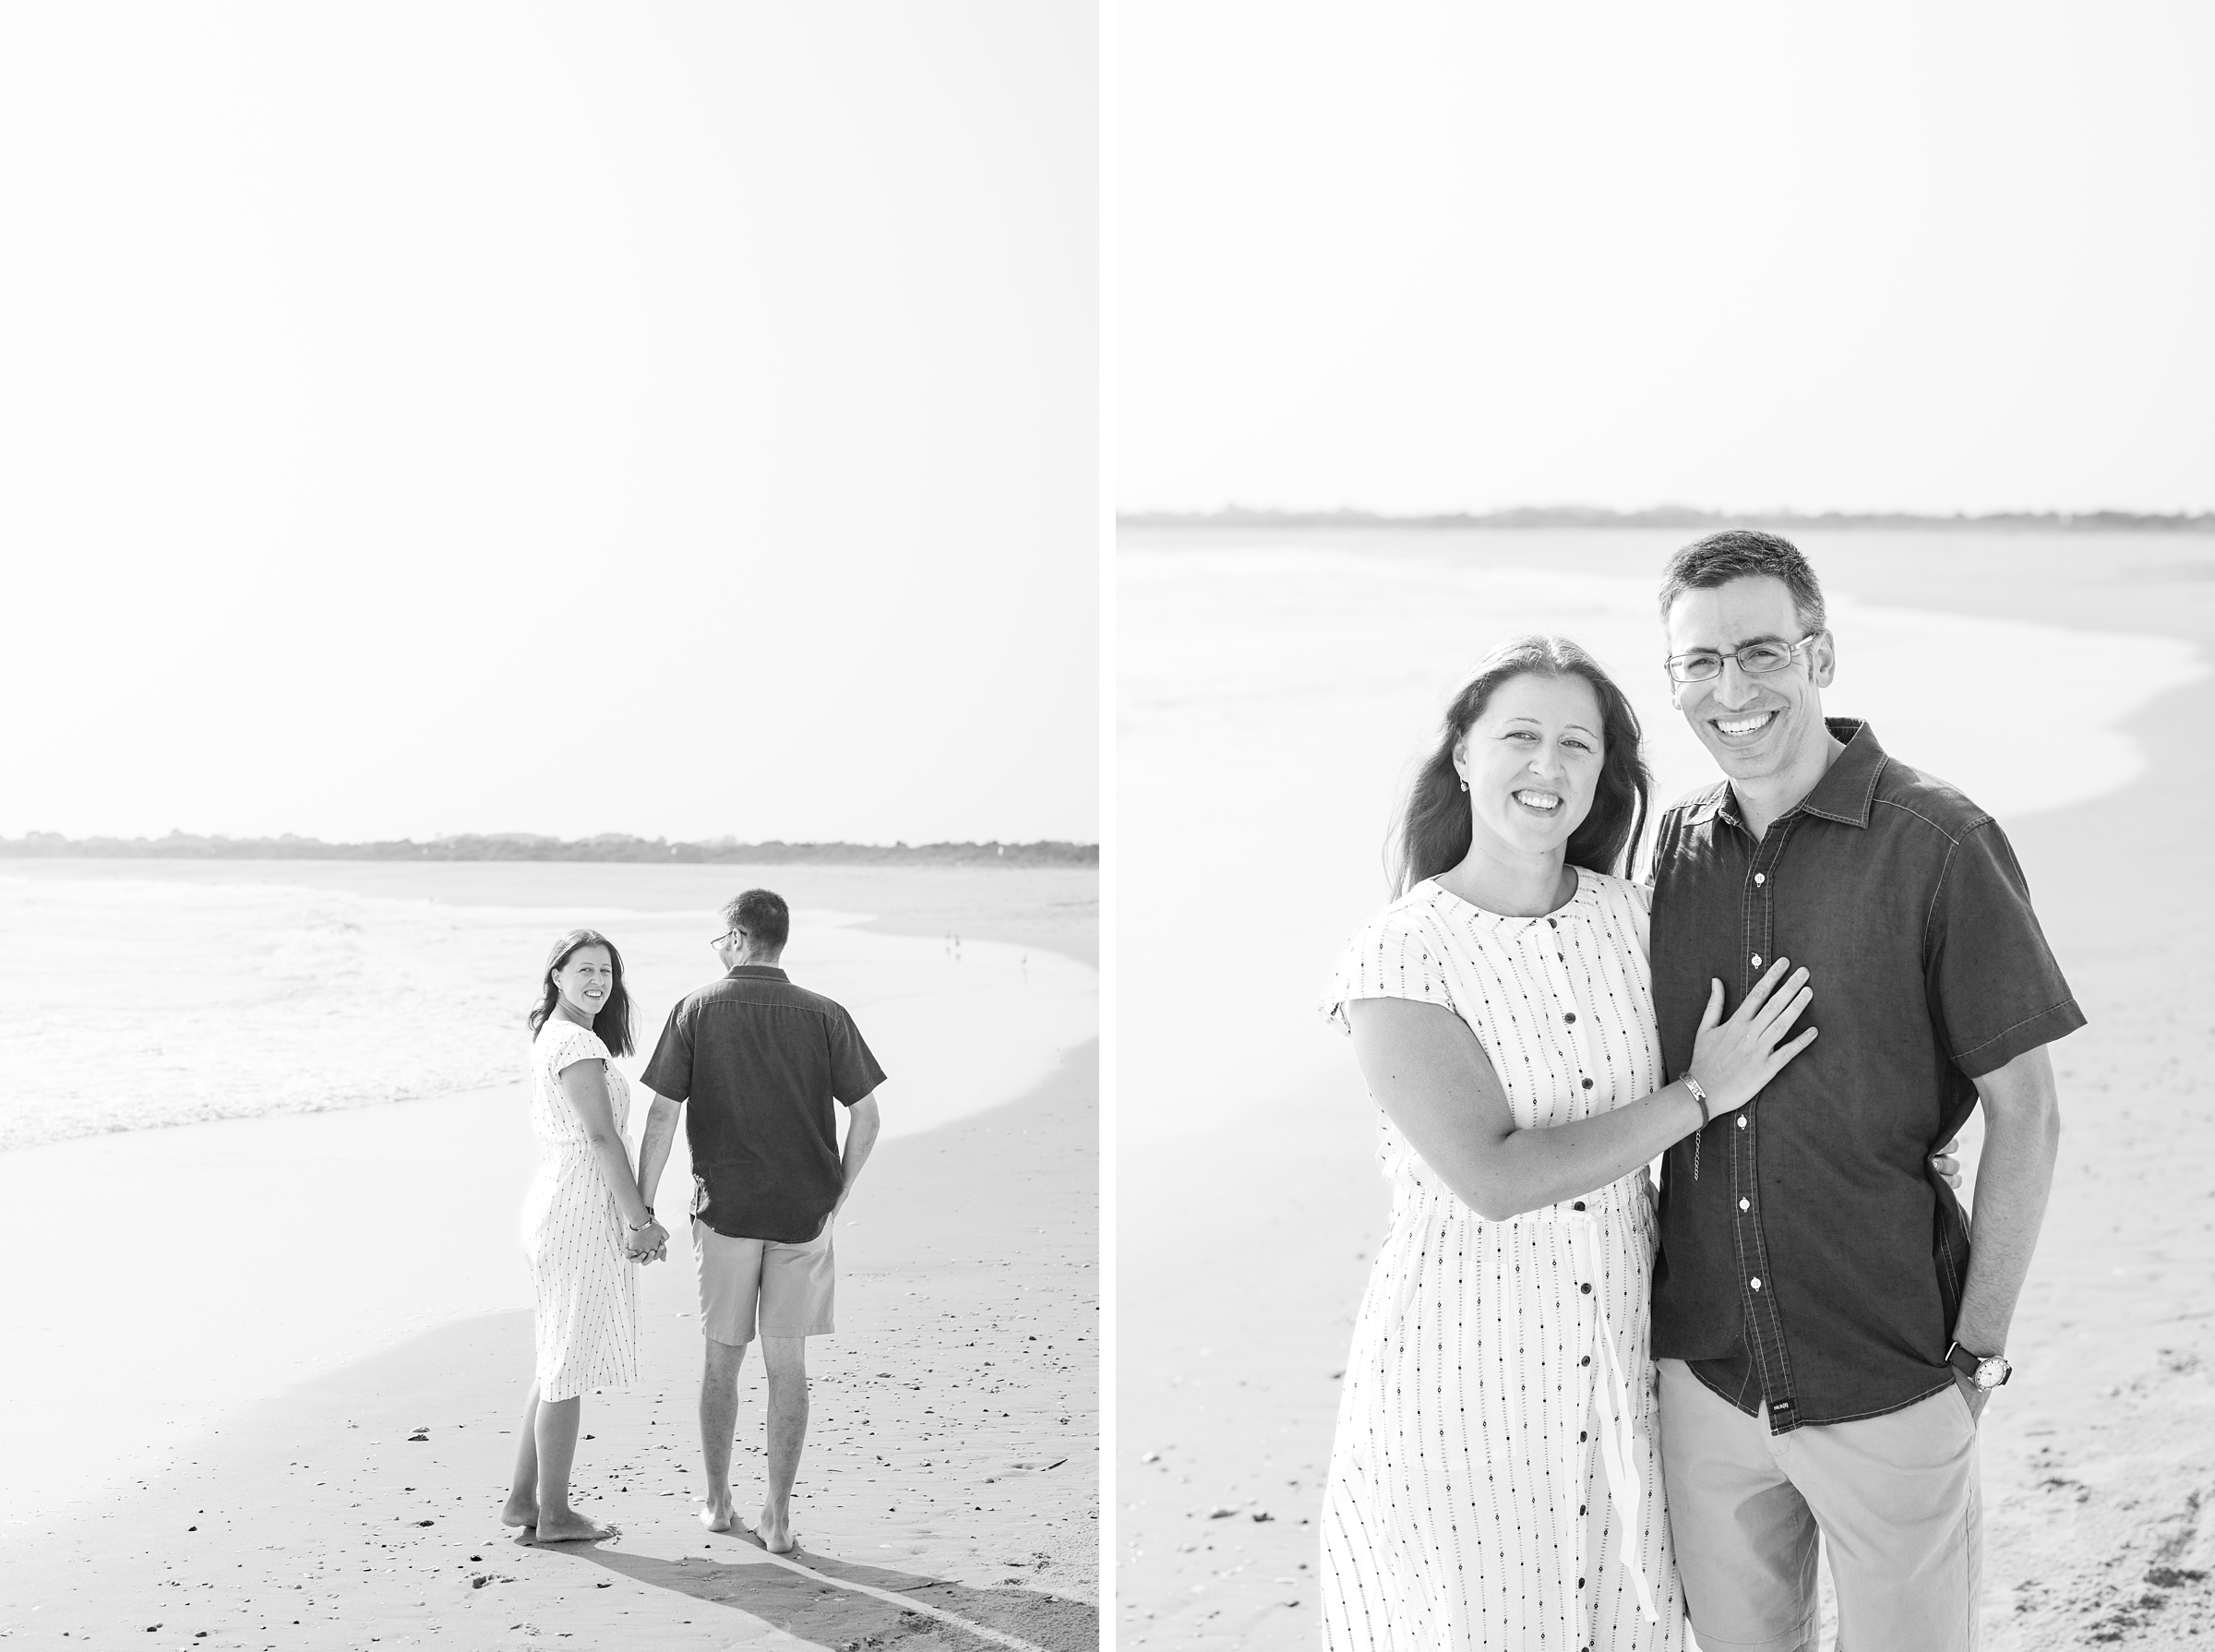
(586, 981)
(1532, 760)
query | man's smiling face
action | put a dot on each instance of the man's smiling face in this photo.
(1756, 726)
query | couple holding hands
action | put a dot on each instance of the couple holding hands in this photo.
(763, 1065)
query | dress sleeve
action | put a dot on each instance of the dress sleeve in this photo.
(578, 1044)
(1391, 958)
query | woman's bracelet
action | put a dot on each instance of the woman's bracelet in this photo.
(642, 1227)
(1699, 1095)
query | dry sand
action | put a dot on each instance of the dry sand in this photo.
(951, 1462)
(1244, 1251)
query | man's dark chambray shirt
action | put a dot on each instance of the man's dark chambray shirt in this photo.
(761, 1061)
(1816, 1261)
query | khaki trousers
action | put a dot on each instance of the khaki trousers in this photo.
(1895, 1496)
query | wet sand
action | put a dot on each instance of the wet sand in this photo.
(2098, 1459)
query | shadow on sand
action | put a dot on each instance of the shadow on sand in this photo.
(844, 1619)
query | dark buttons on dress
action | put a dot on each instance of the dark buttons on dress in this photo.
(1586, 1289)
(1581, 1509)
(1586, 1360)
(1571, 1016)
(1587, 1083)
(1578, 1205)
(1582, 1436)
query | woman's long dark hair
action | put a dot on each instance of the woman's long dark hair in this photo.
(1432, 835)
(613, 1023)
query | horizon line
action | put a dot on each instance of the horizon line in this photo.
(529, 846)
(1662, 516)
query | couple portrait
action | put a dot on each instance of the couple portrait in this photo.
(759, 1067)
(1585, 1409)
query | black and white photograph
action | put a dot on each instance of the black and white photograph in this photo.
(1663, 601)
(1015, 828)
(550, 857)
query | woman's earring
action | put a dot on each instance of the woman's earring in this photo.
(1464, 785)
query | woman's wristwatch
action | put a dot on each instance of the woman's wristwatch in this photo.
(1985, 1371)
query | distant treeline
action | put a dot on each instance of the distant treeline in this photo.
(524, 846)
(1681, 517)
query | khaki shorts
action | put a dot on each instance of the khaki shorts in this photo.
(787, 1288)
(1895, 1497)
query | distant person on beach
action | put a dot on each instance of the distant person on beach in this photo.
(584, 1223)
(1827, 1327)
(762, 1063)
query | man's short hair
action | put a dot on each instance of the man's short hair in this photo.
(1745, 554)
(764, 916)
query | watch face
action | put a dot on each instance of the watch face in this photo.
(1991, 1373)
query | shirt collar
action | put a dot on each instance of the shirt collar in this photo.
(1844, 794)
(1848, 785)
(756, 971)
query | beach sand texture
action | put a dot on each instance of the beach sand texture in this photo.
(247, 1339)
(2098, 1460)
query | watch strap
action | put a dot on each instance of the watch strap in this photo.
(1967, 1363)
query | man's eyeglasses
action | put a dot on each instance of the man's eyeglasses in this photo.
(1756, 659)
(727, 934)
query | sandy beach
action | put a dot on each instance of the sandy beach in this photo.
(238, 1339)
(2098, 1460)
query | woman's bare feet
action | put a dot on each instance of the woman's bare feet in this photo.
(521, 1510)
(773, 1527)
(570, 1526)
(719, 1517)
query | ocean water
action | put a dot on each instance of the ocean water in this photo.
(137, 1001)
(1274, 697)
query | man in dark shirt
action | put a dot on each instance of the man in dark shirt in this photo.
(1829, 1326)
(762, 1061)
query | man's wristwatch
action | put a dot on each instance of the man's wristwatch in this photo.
(1985, 1371)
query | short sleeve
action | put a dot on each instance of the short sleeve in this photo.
(854, 1070)
(670, 1071)
(578, 1044)
(1995, 990)
(1391, 958)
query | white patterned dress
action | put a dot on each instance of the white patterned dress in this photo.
(1496, 1482)
(585, 1288)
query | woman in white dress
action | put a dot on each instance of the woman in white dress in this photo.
(1495, 1481)
(584, 1226)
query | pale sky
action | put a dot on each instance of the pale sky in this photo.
(677, 419)
(1443, 256)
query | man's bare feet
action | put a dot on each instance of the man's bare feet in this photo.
(773, 1527)
(719, 1517)
(570, 1526)
(521, 1510)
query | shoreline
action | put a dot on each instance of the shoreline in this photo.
(268, 1019)
(982, 1449)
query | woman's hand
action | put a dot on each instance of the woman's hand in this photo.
(649, 1243)
(1946, 1165)
(1732, 1059)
